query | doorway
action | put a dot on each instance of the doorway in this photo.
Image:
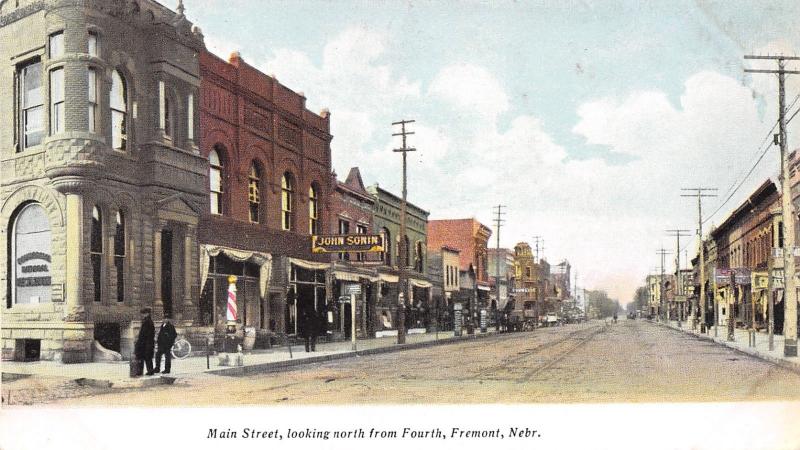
(166, 271)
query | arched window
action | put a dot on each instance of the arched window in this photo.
(119, 255)
(313, 209)
(119, 111)
(254, 193)
(215, 181)
(386, 255)
(29, 261)
(96, 252)
(287, 201)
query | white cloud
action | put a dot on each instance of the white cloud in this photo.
(607, 219)
(471, 88)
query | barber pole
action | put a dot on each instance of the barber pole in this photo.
(232, 311)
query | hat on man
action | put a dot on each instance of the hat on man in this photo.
(145, 311)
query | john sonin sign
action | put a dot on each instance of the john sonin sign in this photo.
(347, 243)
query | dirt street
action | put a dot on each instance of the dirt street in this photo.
(631, 361)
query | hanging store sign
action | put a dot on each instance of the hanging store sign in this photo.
(347, 243)
(723, 276)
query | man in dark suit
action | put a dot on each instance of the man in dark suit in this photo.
(166, 338)
(145, 342)
(310, 325)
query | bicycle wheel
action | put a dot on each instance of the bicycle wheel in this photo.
(181, 349)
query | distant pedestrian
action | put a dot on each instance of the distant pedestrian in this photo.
(310, 327)
(166, 338)
(145, 343)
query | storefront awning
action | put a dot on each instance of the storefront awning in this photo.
(386, 278)
(419, 283)
(310, 265)
(355, 277)
(264, 260)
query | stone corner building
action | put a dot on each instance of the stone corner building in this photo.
(102, 184)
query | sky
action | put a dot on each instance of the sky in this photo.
(584, 118)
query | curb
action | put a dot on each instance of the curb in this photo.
(780, 362)
(290, 363)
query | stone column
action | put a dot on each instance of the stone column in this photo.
(157, 301)
(73, 289)
(189, 310)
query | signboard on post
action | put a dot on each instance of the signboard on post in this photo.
(340, 243)
(679, 298)
(457, 318)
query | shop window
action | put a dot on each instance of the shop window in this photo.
(419, 257)
(119, 111)
(31, 118)
(96, 252)
(30, 256)
(119, 255)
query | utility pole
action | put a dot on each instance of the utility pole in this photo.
(731, 305)
(498, 221)
(678, 283)
(403, 251)
(537, 240)
(789, 290)
(661, 294)
(700, 193)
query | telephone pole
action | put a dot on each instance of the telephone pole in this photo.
(498, 222)
(678, 283)
(537, 240)
(403, 251)
(789, 290)
(700, 193)
(661, 294)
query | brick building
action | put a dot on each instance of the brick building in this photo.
(102, 184)
(352, 212)
(745, 240)
(270, 182)
(471, 238)
(387, 213)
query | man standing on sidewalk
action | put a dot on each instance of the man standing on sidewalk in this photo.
(166, 338)
(310, 325)
(145, 343)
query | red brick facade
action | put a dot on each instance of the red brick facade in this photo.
(469, 236)
(250, 119)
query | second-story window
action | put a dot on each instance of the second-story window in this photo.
(92, 97)
(93, 44)
(254, 193)
(31, 104)
(215, 182)
(313, 210)
(56, 42)
(57, 101)
(287, 201)
(119, 111)
(344, 228)
(360, 229)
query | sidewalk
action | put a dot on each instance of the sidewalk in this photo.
(115, 374)
(740, 343)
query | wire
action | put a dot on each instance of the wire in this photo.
(753, 168)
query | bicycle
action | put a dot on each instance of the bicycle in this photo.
(181, 349)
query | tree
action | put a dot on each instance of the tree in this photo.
(600, 305)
